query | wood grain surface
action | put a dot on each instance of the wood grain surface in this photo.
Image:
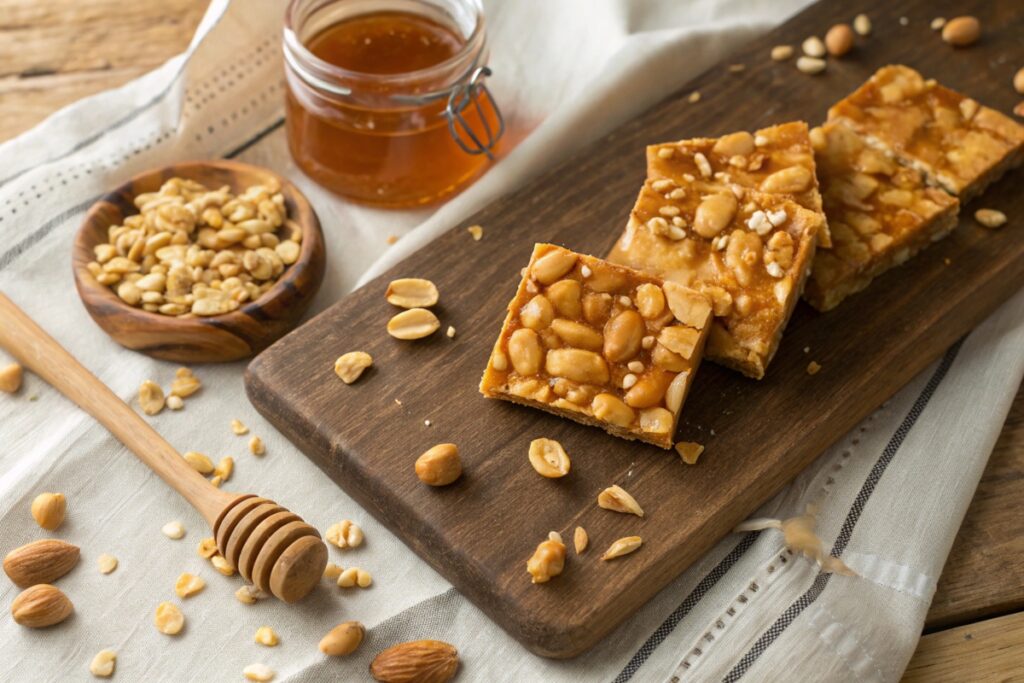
(975, 582)
(902, 323)
(986, 651)
(221, 338)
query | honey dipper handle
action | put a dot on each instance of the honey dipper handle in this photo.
(41, 354)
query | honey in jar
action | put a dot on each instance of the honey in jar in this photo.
(386, 103)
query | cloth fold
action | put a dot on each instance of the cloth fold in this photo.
(892, 493)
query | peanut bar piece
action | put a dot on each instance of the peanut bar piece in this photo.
(881, 214)
(750, 255)
(600, 344)
(774, 160)
(958, 144)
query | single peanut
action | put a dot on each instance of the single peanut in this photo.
(440, 465)
(48, 510)
(548, 458)
(343, 639)
(961, 31)
(839, 40)
(548, 561)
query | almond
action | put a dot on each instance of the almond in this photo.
(418, 661)
(41, 606)
(41, 561)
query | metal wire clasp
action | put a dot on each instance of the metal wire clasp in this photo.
(464, 94)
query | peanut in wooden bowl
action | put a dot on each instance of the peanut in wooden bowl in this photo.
(238, 334)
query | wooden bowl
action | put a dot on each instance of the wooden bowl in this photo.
(227, 337)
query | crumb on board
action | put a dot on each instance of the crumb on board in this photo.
(813, 368)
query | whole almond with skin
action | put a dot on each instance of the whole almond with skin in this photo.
(41, 561)
(41, 606)
(418, 661)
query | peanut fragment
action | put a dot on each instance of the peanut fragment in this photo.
(616, 499)
(238, 428)
(580, 539)
(548, 561)
(689, 451)
(185, 383)
(173, 530)
(990, 218)
(168, 619)
(48, 510)
(175, 402)
(199, 462)
(207, 548)
(415, 323)
(106, 563)
(10, 378)
(813, 368)
(862, 24)
(810, 65)
(781, 53)
(412, 292)
(222, 565)
(332, 571)
(266, 636)
(476, 231)
(343, 639)
(345, 534)
(249, 594)
(256, 446)
(548, 458)
(623, 546)
(102, 665)
(813, 47)
(354, 576)
(188, 584)
(261, 673)
(224, 468)
(151, 397)
(440, 465)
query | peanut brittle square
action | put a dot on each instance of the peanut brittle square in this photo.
(750, 254)
(881, 214)
(774, 160)
(958, 144)
(600, 344)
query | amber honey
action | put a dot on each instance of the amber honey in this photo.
(366, 106)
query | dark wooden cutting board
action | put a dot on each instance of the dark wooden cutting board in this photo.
(480, 531)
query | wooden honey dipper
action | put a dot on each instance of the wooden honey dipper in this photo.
(270, 546)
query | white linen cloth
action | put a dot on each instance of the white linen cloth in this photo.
(892, 492)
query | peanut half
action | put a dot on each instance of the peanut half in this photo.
(350, 366)
(580, 540)
(415, 323)
(168, 619)
(616, 499)
(345, 534)
(439, 466)
(102, 665)
(343, 639)
(689, 451)
(106, 563)
(990, 218)
(412, 292)
(151, 397)
(188, 584)
(548, 458)
(48, 510)
(623, 546)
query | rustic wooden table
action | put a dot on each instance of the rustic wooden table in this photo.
(53, 52)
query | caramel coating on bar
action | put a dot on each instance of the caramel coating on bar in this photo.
(774, 160)
(600, 344)
(749, 255)
(957, 143)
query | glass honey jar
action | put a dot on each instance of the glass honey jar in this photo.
(386, 101)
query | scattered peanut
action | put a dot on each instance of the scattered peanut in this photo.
(450, 332)
(811, 65)
(961, 31)
(222, 565)
(188, 584)
(354, 576)
(192, 251)
(938, 23)
(184, 383)
(48, 510)
(862, 24)
(781, 53)
(990, 218)
(476, 231)
(266, 636)
(173, 530)
(102, 665)
(813, 47)
(689, 451)
(813, 368)
(199, 462)
(548, 561)
(239, 428)
(106, 563)
(623, 546)
(332, 571)
(839, 40)
(694, 97)
(151, 397)
(1018, 109)
(616, 499)
(249, 594)
(580, 540)
(415, 323)
(1018, 81)
(40, 606)
(224, 468)
(168, 619)
(207, 548)
(10, 378)
(345, 534)
(412, 292)
(548, 458)
(258, 672)
(350, 366)
(256, 446)
(440, 465)
(343, 639)
(175, 402)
